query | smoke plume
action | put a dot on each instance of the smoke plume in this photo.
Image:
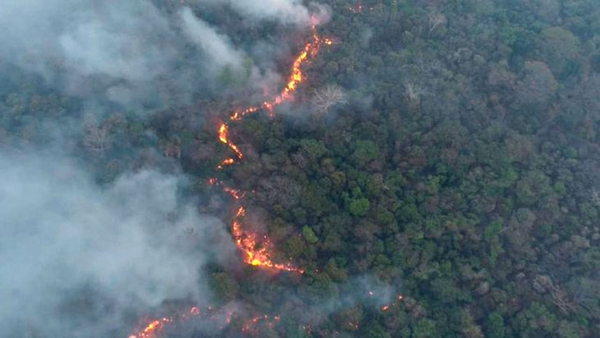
(216, 46)
(286, 11)
(83, 260)
(77, 257)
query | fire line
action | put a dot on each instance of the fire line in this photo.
(258, 250)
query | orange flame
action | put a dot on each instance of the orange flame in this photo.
(155, 327)
(250, 324)
(152, 329)
(387, 306)
(259, 249)
(236, 194)
(228, 161)
(310, 49)
(223, 137)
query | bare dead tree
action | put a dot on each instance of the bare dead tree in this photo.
(413, 92)
(595, 197)
(327, 97)
(564, 300)
(172, 148)
(280, 190)
(435, 19)
(97, 139)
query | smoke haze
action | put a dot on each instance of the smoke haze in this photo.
(217, 47)
(286, 11)
(84, 260)
(132, 244)
(128, 52)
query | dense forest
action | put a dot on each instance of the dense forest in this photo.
(442, 150)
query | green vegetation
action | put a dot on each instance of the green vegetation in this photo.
(463, 170)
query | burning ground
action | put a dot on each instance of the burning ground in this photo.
(78, 258)
(91, 260)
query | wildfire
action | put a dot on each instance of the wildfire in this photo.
(251, 324)
(258, 249)
(388, 306)
(358, 8)
(354, 325)
(151, 329)
(155, 327)
(228, 161)
(311, 49)
(224, 138)
(236, 194)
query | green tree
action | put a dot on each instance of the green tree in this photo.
(495, 325)
(425, 328)
(365, 151)
(359, 207)
(309, 235)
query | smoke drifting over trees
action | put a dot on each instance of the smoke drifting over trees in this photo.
(127, 52)
(66, 242)
(412, 168)
(286, 11)
(82, 259)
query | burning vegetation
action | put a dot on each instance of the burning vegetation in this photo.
(258, 250)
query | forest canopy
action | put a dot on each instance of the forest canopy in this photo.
(435, 173)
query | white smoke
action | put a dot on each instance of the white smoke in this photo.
(126, 51)
(132, 244)
(216, 46)
(287, 11)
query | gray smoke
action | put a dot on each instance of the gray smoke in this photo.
(76, 257)
(128, 52)
(217, 47)
(79, 46)
(287, 11)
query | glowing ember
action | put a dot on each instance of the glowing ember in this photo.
(251, 324)
(223, 137)
(152, 329)
(358, 8)
(228, 161)
(387, 307)
(310, 49)
(239, 115)
(195, 311)
(155, 327)
(258, 250)
(236, 194)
